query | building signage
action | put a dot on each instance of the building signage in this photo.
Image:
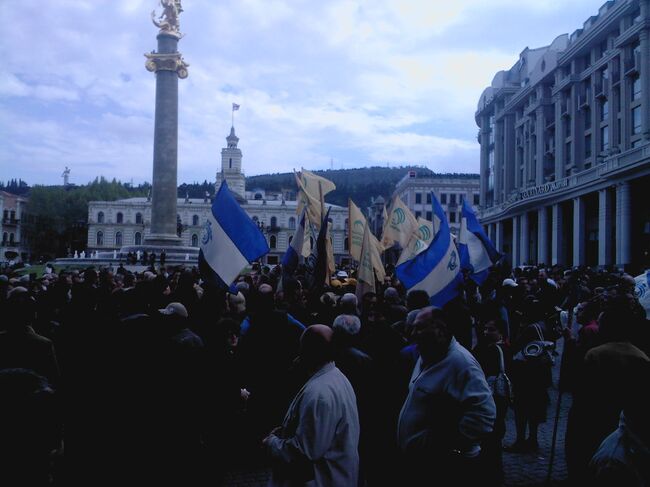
(543, 189)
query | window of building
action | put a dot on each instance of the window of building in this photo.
(138, 218)
(567, 127)
(292, 223)
(5, 214)
(636, 89)
(5, 236)
(452, 199)
(230, 163)
(477, 199)
(119, 218)
(118, 239)
(587, 117)
(491, 170)
(418, 198)
(274, 222)
(11, 239)
(604, 110)
(604, 139)
(273, 241)
(567, 154)
(428, 198)
(587, 146)
(418, 214)
(195, 220)
(138, 238)
(346, 243)
(195, 240)
(100, 239)
(636, 120)
(429, 215)
(452, 217)
(100, 217)
(443, 198)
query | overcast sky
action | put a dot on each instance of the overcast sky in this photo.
(358, 83)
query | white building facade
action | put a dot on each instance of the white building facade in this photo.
(450, 190)
(565, 146)
(12, 209)
(115, 224)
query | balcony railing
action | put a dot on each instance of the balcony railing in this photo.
(10, 221)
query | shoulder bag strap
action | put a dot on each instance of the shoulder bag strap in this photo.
(539, 332)
(501, 366)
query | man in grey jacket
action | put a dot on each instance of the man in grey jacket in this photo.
(449, 408)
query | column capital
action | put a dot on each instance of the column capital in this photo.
(166, 62)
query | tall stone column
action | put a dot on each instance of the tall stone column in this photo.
(524, 240)
(623, 224)
(515, 241)
(168, 64)
(542, 236)
(557, 241)
(539, 148)
(498, 160)
(498, 237)
(484, 134)
(605, 226)
(578, 231)
(644, 44)
(508, 154)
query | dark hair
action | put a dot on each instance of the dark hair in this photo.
(417, 299)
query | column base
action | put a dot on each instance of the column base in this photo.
(160, 239)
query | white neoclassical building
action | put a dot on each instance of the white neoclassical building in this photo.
(114, 224)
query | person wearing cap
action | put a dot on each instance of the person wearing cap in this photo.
(449, 409)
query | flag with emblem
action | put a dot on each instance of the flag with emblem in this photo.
(437, 269)
(420, 240)
(399, 226)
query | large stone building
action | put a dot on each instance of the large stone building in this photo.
(565, 145)
(450, 189)
(115, 224)
(12, 209)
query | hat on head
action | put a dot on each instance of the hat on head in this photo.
(174, 309)
(509, 283)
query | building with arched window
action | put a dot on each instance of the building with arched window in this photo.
(99, 241)
(274, 212)
(12, 209)
(118, 239)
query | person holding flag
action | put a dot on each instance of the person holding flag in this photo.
(477, 253)
(437, 269)
(230, 240)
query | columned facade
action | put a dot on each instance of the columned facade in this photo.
(565, 145)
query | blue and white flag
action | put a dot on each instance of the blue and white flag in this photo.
(292, 255)
(230, 239)
(477, 253)
(437, 269)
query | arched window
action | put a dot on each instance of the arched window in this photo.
(138, 238)
(5, 236)
(138, 218)
(100, 217)
(12, 215)
(5, 214)
(119, 218)
(346, 243)
(195, 240)
(230, 163)
(292, 223)
(273, 242)
(290, 239)
(195, 220)
(118, 239)
(100, 239)
(274, 222)
(11, 239)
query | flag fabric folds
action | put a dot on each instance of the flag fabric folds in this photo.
(230, 240)
(312, 189)
(419, 241)
(642, 290)
(399, 226)
(437, 269)
(292, 255)
(476, 251)
(356, 229)
(366, 271)
(235, 106)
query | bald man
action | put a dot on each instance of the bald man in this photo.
(318, 440)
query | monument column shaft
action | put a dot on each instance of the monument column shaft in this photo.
(165, 145)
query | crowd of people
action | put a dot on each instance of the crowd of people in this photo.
(324, 388)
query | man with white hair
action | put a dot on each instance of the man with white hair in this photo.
(349, 304)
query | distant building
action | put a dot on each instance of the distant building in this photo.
(450, 189)
(12, 209)
(114, 224)
(565, 145)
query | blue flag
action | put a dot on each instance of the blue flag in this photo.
(292, 255)
(230, 240)
(437, 269)
(477, 253)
